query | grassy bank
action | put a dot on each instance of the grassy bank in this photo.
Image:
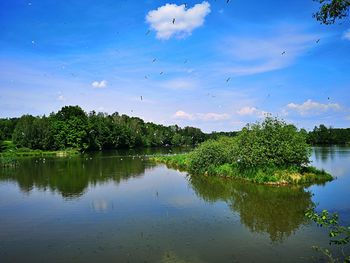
(10, 153)
(266, 175)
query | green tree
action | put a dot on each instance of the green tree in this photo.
(332, 10)
(271, 143)
(69, 127)
(212, 153)
(24, 132)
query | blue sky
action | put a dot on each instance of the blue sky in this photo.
(216, 66)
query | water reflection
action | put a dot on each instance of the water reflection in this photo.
(277, 211)
(71, 177)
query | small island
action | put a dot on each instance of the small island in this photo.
(271, 152)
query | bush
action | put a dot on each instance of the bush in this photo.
(271, 143)
(211, 154)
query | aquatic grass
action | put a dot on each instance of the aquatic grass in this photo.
(8, 161)
(10, 157)
(180, 161)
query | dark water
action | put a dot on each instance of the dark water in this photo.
(119, 207)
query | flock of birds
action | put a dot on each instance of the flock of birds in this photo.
(173, 21)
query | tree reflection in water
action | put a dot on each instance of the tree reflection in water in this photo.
(71, 176)
(277, 211)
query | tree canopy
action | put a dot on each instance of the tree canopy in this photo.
(332, 10)
(71, 127)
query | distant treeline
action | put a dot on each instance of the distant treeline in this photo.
(324, 136)
(71, 127)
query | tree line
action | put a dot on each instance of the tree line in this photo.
(323, 135)
(71, 127)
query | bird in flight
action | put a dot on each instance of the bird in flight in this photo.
(149, 31)
(318, 40)
(228, 79)
(141, 98)
(173, 20)
(161, 73)
(154, 60)
(284, 52)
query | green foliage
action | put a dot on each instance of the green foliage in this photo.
(271, 152)
(210, 154)
(71, 127)
(8, 160)
(332, 10)
(180, 161)
(339, 235)
(271, 143)
(326, 136)
(261, 175)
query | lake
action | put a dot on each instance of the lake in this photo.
(120, 207)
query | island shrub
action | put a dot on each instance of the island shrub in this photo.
(271, 143)
(272, 152)
(267, 145)
(211, 154)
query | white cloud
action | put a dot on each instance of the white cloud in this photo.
(211, 116)
(346, 34)
(183, 115)
(310, 107)
(251, 111)
(186, 20)
(264, 54)
(99, 84)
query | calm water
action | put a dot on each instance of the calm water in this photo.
(119, 207)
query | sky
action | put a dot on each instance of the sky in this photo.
(209, 64)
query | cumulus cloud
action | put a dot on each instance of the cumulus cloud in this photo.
(211, 116)
(183, 115)
(251, 111)
(346, 34)
(186, 20)
(310, 107)
(99, 84)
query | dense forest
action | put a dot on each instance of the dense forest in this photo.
(325, 136)
(71, 127)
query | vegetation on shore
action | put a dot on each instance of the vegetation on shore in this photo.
(10, 153)
(270, 152)
(339, 235)
(71, 127)
(323, 135)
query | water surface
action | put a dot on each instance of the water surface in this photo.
(119, 207)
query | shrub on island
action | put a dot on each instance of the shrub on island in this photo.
(269, 152)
